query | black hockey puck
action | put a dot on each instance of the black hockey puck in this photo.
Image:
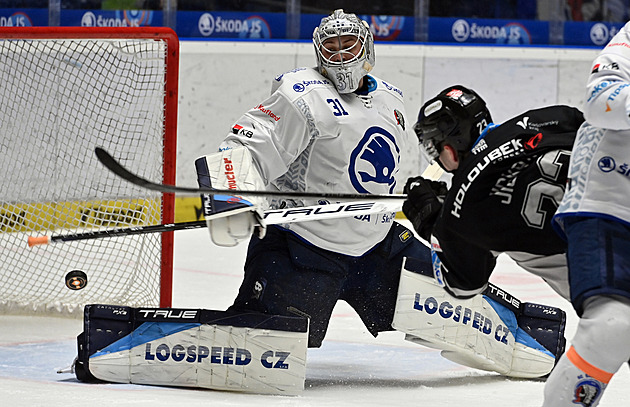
(76, 280)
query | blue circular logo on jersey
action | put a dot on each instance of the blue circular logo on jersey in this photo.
(374, 161)
(606, 164)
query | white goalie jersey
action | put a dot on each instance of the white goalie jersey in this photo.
(308, 137)
(600, 163)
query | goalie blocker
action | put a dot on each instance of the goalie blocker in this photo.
(493, 331)
(230, 218)
(219, 350)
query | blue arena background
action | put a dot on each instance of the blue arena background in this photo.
(235, 25)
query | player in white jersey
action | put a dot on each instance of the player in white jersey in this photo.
(355, 146)
(594, 216)
(330, 129)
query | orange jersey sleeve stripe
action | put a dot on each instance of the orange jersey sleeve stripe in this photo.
(595, 372)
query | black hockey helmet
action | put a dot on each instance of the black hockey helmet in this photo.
(456, 116)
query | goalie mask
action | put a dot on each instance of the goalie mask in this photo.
(456, 116)
(345, 50)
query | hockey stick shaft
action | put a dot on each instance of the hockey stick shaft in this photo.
(300, 214)
(114, 166)
(134, 230)
(272, 217)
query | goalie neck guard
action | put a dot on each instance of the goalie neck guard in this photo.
(456, 116)
(345, 63)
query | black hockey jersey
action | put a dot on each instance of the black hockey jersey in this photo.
(504, 194)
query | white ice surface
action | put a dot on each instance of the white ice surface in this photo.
(351, 368)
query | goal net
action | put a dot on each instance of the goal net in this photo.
(65, 91)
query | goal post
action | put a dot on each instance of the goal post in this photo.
(65, 91)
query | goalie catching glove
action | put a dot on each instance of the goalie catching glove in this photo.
(231, 219)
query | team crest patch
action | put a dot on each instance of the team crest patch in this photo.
(400, 119)
(374, 162)
(587, 392)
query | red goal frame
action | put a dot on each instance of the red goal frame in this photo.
(170, 115)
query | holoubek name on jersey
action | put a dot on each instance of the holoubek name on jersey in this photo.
(324, 141)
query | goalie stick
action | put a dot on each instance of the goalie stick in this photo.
(272, 217)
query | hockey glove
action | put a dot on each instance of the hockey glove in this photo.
(423, 204)
(231, 219)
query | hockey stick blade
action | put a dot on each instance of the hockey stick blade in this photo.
(272, 217)
(114, 166)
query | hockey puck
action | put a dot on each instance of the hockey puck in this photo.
(76, 280)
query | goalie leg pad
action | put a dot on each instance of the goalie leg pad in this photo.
(248, 352)
(544, 325)
(482, 332)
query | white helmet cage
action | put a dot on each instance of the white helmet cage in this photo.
(347, 71)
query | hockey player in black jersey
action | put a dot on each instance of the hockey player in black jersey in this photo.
(507, 183)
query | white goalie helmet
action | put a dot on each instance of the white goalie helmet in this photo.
(345, 62)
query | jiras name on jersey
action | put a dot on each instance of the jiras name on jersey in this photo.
(508, 149)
